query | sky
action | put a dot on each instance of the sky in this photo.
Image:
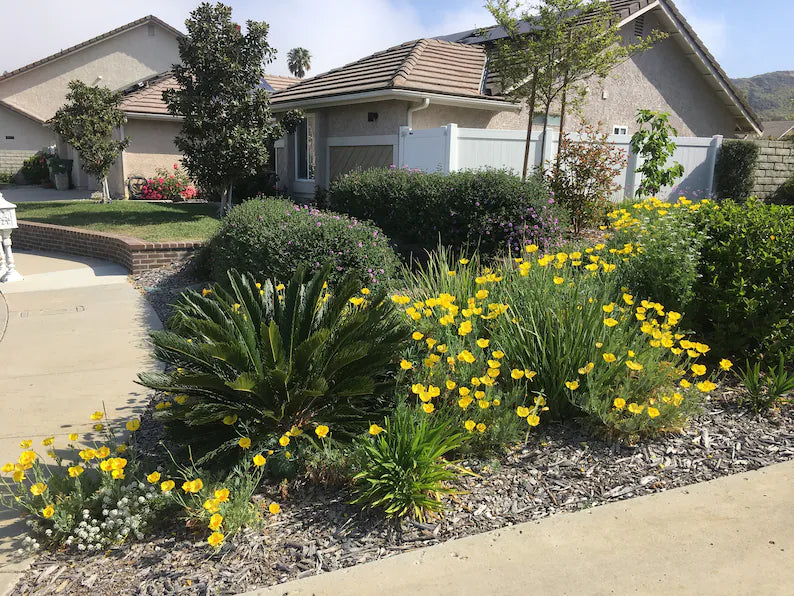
(747, 38)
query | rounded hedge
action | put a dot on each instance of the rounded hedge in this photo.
(493, 210)
(270, 237)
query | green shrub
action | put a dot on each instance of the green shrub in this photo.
(270, 238)
(490, 209)
(744, 295)
(665, 265)
(258, 362)
(785, 194)
(734, 172)
(405, 472)
(6, 177)
(34, 168)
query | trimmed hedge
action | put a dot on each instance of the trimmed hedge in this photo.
(492, 209)
(735, 169)
(270, 237)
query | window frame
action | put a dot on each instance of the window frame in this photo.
(308, 122)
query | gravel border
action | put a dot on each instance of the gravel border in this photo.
(560, 468)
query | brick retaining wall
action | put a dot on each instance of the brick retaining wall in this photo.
(132, 253)
(775, 166)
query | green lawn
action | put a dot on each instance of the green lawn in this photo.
(154, 222)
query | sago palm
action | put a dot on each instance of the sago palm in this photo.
(265, 361)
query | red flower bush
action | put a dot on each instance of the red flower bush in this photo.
(169, 186)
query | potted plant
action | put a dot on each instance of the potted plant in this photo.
(61, 169)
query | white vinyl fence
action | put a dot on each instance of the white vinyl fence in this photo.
(449, 148)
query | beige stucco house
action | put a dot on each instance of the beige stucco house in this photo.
(30, 95)
(355, 112)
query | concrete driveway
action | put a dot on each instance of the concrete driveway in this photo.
(76, 335)
(36, 194)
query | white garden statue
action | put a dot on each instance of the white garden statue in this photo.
(8, 222)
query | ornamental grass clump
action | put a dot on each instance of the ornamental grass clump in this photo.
(406, 473)
(256, 365)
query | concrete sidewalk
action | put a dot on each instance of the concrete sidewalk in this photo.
(75, 339)
(733, 535)
(37, 194)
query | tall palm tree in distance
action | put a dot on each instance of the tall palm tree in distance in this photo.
(299, 61)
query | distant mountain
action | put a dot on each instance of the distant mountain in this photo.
(770, 94)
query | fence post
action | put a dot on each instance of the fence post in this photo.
(401, 145)
(452, 148)
(714, 149)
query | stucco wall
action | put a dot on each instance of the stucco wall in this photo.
(29, 137)
(151, 147)
(351, 120)
(662, 79)
(121, 60)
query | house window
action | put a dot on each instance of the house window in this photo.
(620, 130)
(304, 149)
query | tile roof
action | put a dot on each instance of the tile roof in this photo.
(429, 65)
(278, 82)
(146, 97)
(145, 20)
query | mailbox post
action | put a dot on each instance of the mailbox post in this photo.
(8, 222)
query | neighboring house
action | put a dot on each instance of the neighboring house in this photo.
(29, 96)
(778, 130)
(354, 113)
(135, 59)
(151, 129)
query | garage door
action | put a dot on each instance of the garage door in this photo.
(346, 159)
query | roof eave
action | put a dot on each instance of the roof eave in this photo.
(482, 103)
(152, 116)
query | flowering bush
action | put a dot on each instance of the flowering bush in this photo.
(585, 180)
(561, 324)
(264, 362)
(169, 186)
(34, 168)
(103, 495)
(271, 238)
(490, 209)
(456, 368)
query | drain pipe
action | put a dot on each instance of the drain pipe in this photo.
(411, 110)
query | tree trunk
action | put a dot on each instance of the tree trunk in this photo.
(562, 125)
(222, 208)
(531, 107)
(543, 144)
(226, 199)
(105, 190)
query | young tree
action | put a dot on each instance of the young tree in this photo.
(584, 179)
(574, 41)
(299, 61)
(227, 124)
(87, 121)
(654, 146)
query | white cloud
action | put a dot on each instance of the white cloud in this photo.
(335, 32)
